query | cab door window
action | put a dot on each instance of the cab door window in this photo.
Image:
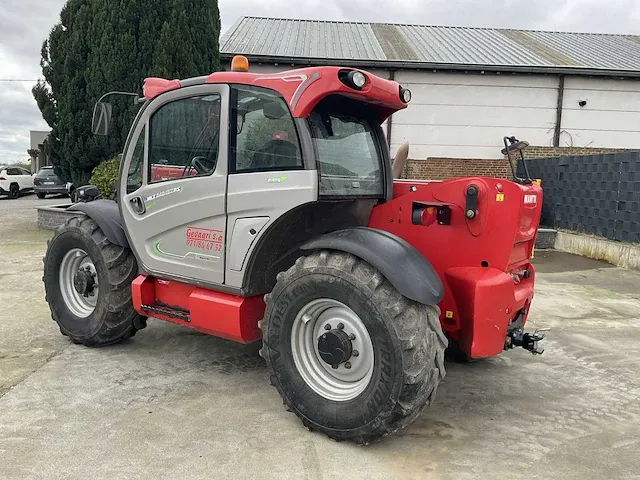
(184, 138)
(266, 138)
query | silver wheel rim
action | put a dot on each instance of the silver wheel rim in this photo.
(341, 384)
(80, 305)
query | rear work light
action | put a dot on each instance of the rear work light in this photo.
(353, 78)
(405, 95)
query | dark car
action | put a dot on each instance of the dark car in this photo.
(47, 182)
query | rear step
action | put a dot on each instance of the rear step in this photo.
(173, 312)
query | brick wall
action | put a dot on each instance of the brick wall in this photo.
(50, 217)
(434, 168)
(534, 151)
(440, 168)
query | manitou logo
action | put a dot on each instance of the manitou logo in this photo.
(530, 199)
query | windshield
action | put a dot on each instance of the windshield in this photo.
(45, 172)
(347, 148)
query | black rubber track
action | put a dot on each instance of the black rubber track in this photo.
(415, 358)
(114, 318)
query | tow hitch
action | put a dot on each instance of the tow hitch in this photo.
(529, 341)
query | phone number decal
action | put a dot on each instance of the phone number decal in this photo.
(204, 238)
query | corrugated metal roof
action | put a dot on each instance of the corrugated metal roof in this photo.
(423, 46)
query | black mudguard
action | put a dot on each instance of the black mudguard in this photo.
(107, 215)
(399, 261)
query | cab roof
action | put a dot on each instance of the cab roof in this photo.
(301, 88)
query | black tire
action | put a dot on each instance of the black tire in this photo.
(41, 195)
(14, 190)
(408, 336)
(113, 318)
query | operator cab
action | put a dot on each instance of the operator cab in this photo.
(225, 177)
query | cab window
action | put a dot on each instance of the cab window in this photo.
(347, 148)
(266, 138)
(184, 138)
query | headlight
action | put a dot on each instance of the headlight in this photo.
(405, 95)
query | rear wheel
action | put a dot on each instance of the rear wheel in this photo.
(14, 190)
(41, 195)
(87, 282)
(348, 353)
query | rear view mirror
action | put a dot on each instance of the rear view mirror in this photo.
(101, 118)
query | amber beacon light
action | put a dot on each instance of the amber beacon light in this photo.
(239, 64)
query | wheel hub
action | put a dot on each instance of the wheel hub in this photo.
(78, 282)
(84, 281)
(334, 347)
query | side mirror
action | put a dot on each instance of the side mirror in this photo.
(101, 118)
(87, 193)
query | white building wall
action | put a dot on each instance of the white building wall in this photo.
(610, 119)
(460, 115)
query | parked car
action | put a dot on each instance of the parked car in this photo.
(46, 182)
(14, 181)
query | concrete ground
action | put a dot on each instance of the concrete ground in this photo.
(171, 403)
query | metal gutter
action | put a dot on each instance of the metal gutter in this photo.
(556, 133)
(408, 65)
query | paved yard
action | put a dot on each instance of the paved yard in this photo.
(175, 404)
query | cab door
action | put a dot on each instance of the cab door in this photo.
(173, 184)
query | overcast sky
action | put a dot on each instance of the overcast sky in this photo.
(24, 24)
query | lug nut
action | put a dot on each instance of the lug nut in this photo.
(340, 326)
(335, 367)
(327, 327)
(347, 365)
(355, 353)
(352, 336)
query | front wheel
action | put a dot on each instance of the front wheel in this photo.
(348, 353)
(87, 281)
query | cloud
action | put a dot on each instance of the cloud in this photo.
(24, 25)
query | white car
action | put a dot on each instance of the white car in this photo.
(14, 181)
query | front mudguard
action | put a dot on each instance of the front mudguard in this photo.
(487, 300)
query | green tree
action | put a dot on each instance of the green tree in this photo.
(105, 45)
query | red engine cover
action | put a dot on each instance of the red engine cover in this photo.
(481, 260)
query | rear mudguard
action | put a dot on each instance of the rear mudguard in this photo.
(404, 266)
(107, 215)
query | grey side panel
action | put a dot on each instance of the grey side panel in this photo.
(107, 215)
(402, 264)
(266, 194)
(244, 233)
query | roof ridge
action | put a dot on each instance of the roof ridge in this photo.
(460, 27)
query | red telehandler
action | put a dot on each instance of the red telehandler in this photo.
(262, 207)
